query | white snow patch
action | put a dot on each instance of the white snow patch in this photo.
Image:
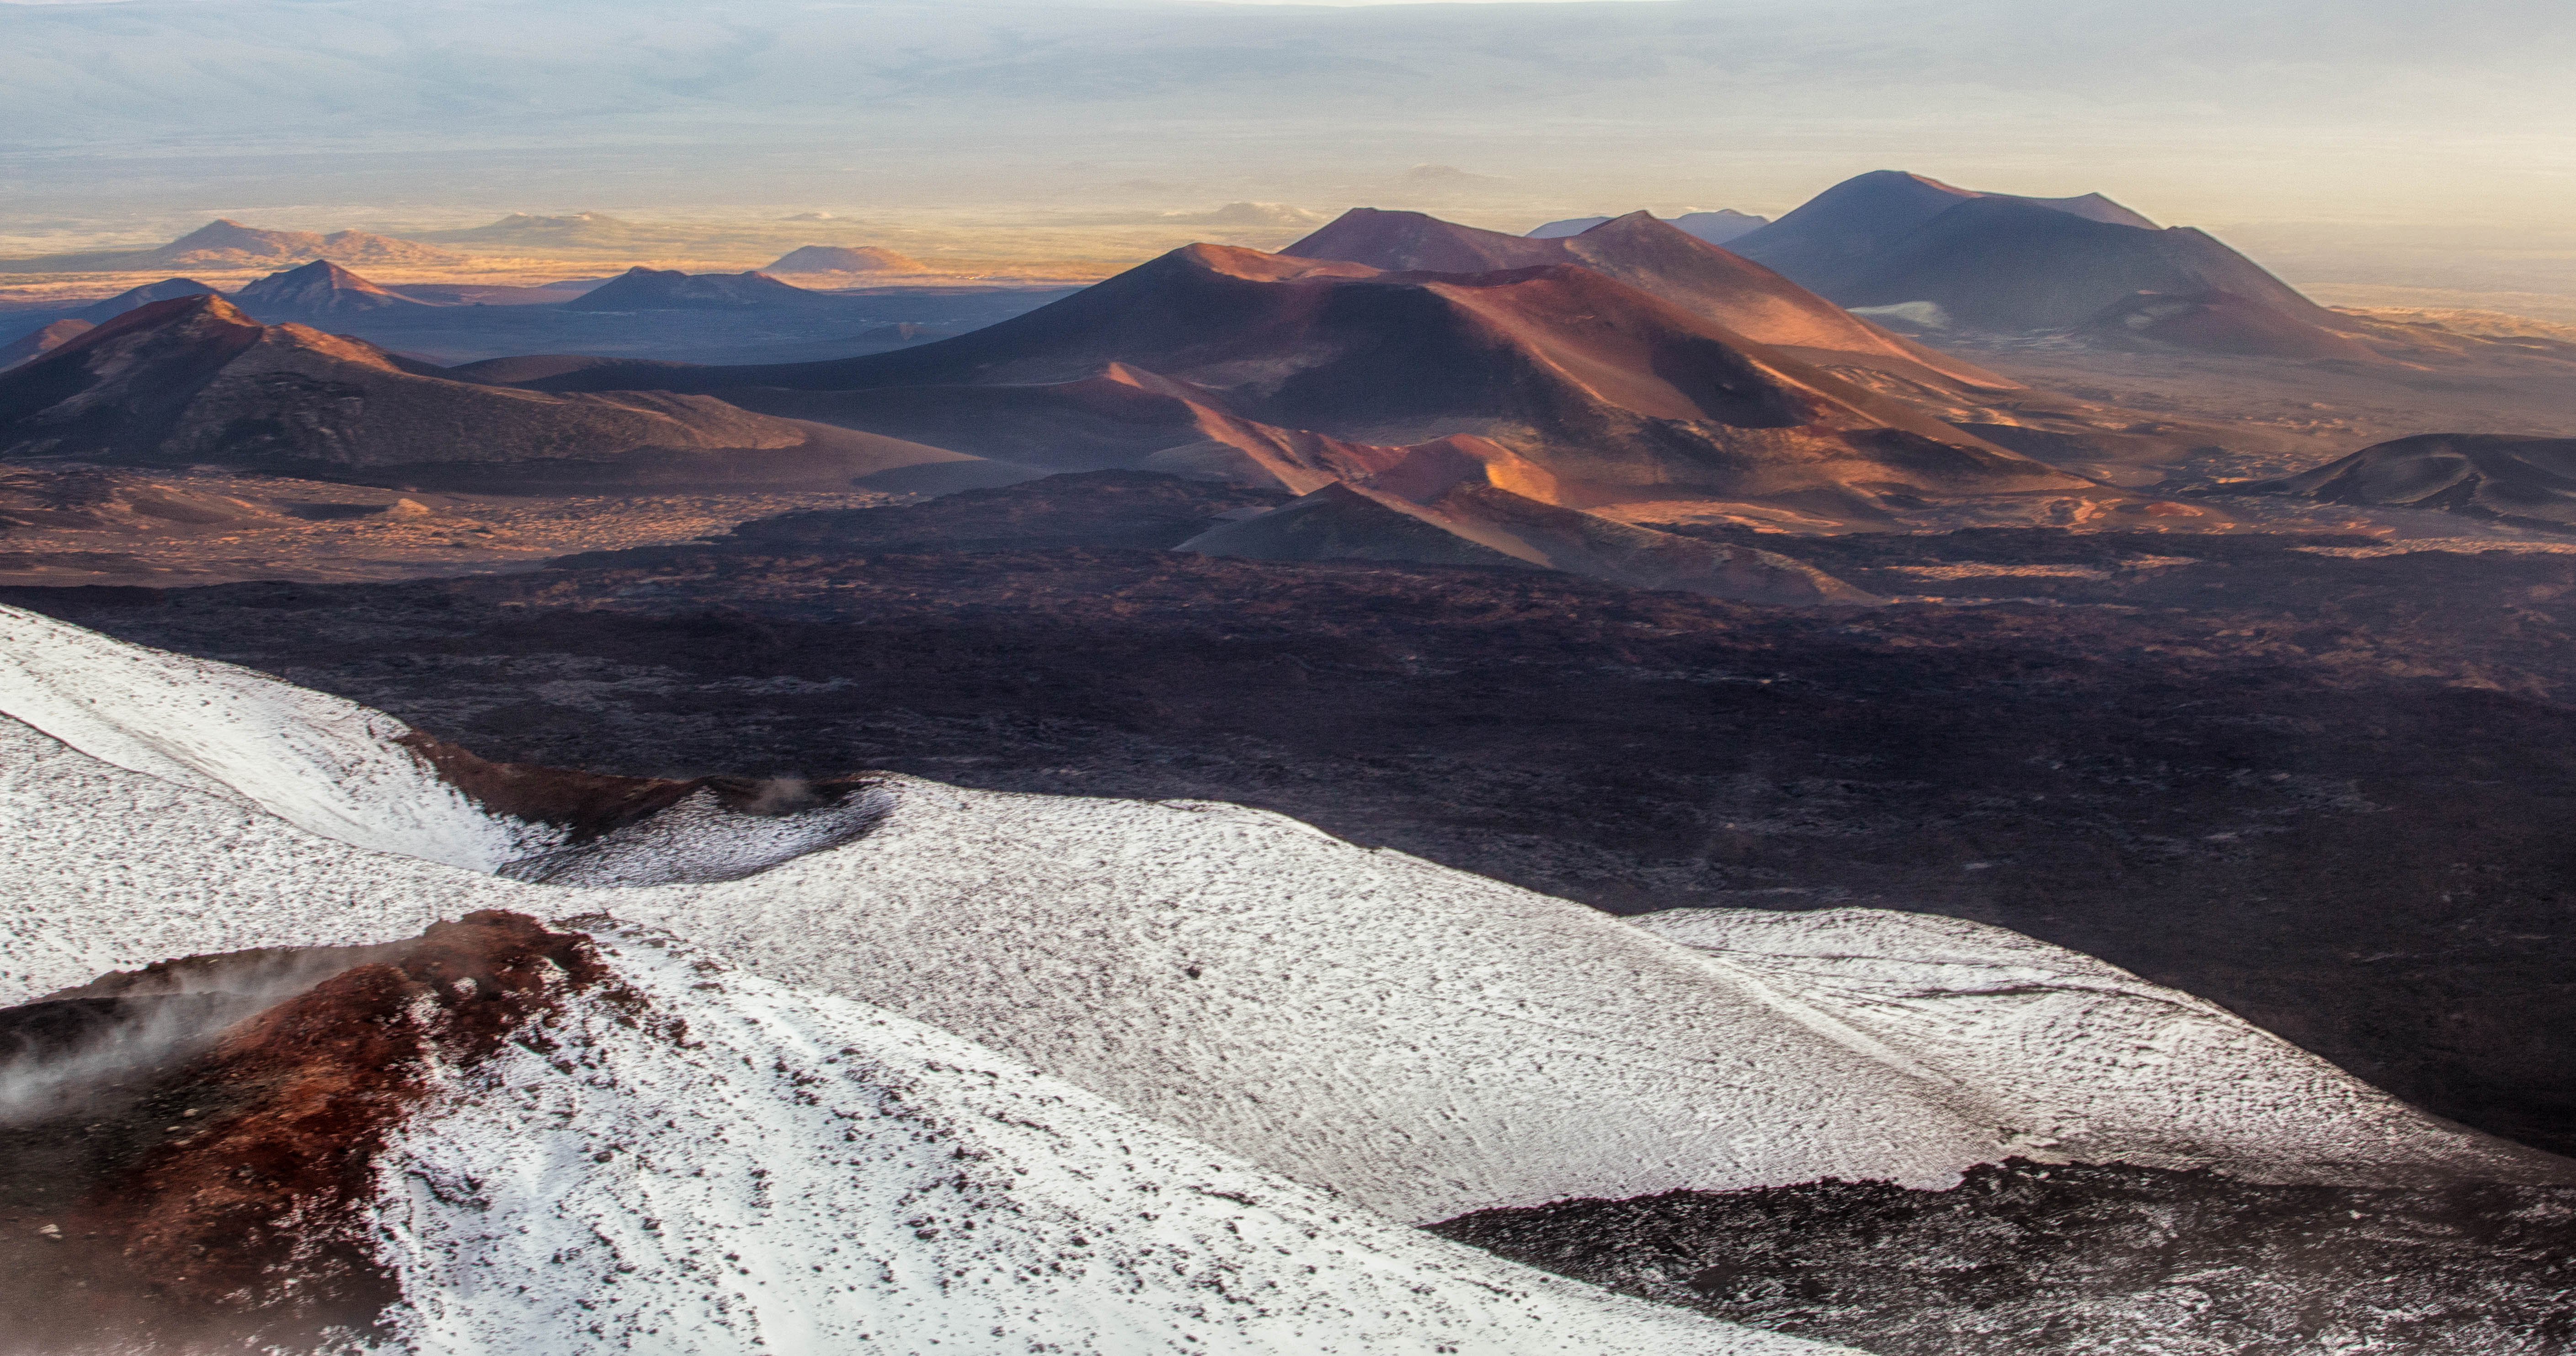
(320, 763)
(1425, 1041)
(807, 1174)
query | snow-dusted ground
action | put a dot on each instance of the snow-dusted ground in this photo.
(807, 1174)
(1425, 1041)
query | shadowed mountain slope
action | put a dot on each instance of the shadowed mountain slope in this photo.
(1840, 231)
(41, 341)
(320, 290)
(1659, 259)
(193, 380)
(1615, 394)
(2485, 475)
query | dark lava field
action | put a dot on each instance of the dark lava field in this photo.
(2326, 788)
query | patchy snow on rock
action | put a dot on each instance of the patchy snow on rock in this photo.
(1425, 1041)
(320, 763)
(2086, 1061)
(750, 1168)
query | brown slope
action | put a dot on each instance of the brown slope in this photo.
(193, 380)
(1618, 394)
(1661, 260)
(1447, 502)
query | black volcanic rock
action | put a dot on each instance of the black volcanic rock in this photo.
(649, 289)
(2483, 475)
(321, 291)
(192, 380)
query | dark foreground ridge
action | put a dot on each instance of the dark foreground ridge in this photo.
(2167, 1261)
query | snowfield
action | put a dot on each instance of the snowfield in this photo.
(808, 1174)
(1420, 1041)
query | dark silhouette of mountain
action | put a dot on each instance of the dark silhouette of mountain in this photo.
(1716, 227)
(2000, 263)
(1656, 258)
(122, 302)
(1720, 226)
(1840, 233)
(651, 289)
(41, 341)
(2482, 475)
(193, 380)
(1613, 394)
(2005, 266)
(319, 291)
(845, 259)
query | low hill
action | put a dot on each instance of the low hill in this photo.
(1616, 394)
(43, 340)
(652, 289)
(2484, 475)
(319, 291)
(844, 259)
(224, 243)
(195, 381)
(1657, 258)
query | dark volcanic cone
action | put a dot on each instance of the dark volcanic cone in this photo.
(320, 290)
(2483, 475)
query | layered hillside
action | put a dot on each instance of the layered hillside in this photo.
(1615, 394)
(192, 380)
(1659, 259)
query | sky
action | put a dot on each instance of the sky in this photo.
(2304, 121)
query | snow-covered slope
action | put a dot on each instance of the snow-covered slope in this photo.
(806, 1174)
(1425, 1041)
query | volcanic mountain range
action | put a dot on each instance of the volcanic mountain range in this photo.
(193, 380)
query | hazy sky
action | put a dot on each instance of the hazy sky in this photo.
(2352, 116)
